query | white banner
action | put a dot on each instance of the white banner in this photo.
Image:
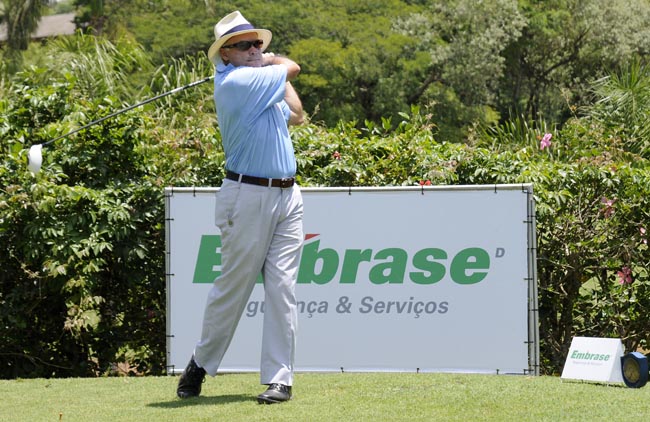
(391, 279)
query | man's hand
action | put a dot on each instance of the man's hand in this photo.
(292, 67)
(268, 58)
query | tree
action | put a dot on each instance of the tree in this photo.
(466, 43)
(564, 46)
(167, 29)
(91, 14)
(21, 18)
(354, 66)
(622, 103)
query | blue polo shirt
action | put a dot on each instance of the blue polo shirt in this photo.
(253, 116)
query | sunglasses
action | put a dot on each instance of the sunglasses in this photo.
(245, 45)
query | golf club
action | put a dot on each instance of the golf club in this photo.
(35, 155)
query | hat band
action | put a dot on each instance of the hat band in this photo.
(242, 27)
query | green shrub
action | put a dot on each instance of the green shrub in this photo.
(82, 286)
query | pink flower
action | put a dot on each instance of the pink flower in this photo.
(643, 238)
(425, 182)
(336, 155)
(546, 141)
(625, 276)
(609, 206)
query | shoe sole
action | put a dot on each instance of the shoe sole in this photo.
(268, 400)
(183, 395)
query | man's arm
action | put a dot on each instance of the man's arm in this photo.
(295, 105)
(290, 95)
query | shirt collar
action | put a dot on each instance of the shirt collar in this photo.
(221, 68)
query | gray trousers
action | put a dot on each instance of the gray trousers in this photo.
(261, 231)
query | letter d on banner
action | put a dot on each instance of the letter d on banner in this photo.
(594, 359)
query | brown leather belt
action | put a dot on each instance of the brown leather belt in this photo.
(286, 182)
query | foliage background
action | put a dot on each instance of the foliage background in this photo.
(397, 93)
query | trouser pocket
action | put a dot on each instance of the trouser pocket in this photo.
(225, 202)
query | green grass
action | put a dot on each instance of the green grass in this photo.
(324, 397)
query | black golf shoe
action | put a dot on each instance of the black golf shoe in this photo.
(189, 385)
(276, 393)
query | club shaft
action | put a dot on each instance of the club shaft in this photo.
(131, 107)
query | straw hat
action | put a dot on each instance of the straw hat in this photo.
(230, 26)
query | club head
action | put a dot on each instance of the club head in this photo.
(35, 158)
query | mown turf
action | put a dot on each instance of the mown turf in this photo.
(325, 397)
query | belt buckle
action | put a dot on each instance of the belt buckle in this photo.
(286, 182)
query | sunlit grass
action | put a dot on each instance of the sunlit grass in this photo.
(324, 397)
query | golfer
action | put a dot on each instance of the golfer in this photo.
(258, 208)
